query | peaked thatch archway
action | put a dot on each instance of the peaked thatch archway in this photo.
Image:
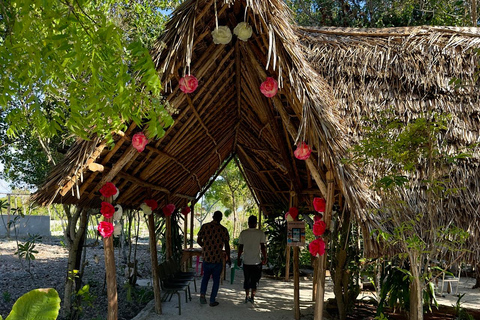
(329, 77)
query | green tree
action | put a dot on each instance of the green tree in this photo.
(379, 13)
(73, 64)
(231, 188)
(409, 160)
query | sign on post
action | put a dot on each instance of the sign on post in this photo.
(296, 233)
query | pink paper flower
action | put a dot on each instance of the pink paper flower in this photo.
(188, 84)
(139, 141)
(319, 227)
(269, 87)
(152, 204)
(317, 246)
(108, 190)
(303, 151)
(319, 204)
(186, 210)
(107, 209)
(293, 213)
(168, 209)
(105, 228)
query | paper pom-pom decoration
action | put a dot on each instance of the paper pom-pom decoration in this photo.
(269, 87)
(108, 190)
(168, 209)
(317, 247)
(319, 227)
(243, 31)
(146, 208)
(293, 212)
(139, 141)
(319, 204)
(188, 84)
(303, 151)
(186, 210)
(152, 204)
(105, 228)
(222, 35)
(118, 212)
(117, 230)
(107, 210)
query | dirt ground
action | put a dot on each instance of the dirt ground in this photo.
(274, 299)
(48, 270)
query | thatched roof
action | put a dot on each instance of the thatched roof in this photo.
(329, 79)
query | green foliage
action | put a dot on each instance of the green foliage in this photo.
(276, 232)
(36, 304)
(380, 13)
(395, 289)
(460, 312)
(71, 64)
(6, 296)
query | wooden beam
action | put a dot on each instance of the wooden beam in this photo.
(116, 168)
(96, 153)
(142, 183)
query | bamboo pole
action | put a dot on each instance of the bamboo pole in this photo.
(322, 263)
(157, 295)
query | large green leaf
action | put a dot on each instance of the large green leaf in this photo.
(37, 304)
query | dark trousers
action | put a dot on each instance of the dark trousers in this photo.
(252, 274)
(213, 270)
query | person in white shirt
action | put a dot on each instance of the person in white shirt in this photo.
(252, 243)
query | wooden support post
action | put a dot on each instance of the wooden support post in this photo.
(296, 280)
(185, 230)
(111, 273)
(168, 228)
(320, 296)
(287, 264)
(192, 213)
(315, 277)
(157, 295)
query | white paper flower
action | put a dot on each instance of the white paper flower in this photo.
(146, 208)
(118, 212)
(243, 31)
(117, 229)
(115, 196)
(222, 35)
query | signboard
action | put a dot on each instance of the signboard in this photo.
(296, 233)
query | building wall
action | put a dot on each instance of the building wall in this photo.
(29, 224)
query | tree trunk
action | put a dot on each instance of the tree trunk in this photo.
(416, 301)
(338, 283)
(474, 13)
(75, 240)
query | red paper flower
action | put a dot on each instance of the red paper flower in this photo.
(317, 246)
(107, 209)
(317, 217)
(139, 141)
(151, 203)
(319, 204)
(319, 227)
(108, 190)
(303, 151)
(185, 210)
(293, 213)
(269, 87)
(168, 209)
(105, 228)
(188, 84)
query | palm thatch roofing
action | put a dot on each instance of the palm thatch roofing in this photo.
(329, 78)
